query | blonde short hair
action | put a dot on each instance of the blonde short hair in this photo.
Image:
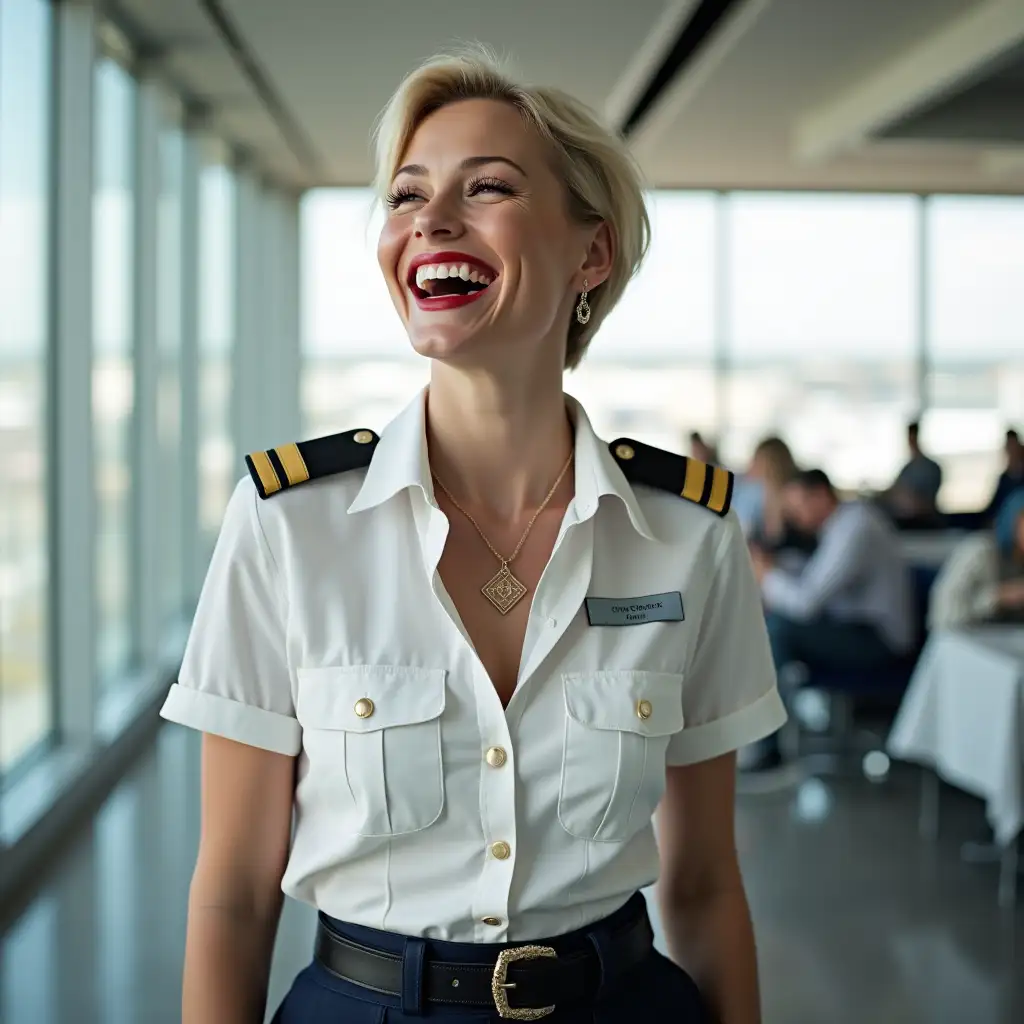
(602, 180)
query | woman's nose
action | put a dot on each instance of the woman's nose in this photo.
(436, 220)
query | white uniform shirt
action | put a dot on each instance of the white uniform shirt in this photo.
(857, 574)
(441, 814)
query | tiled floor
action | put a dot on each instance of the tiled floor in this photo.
(858, 921)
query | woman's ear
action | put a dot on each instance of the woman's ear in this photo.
(597, 263)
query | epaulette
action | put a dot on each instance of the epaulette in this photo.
(710, 486)
(293, 464)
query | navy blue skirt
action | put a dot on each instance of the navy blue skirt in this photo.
(653, 990)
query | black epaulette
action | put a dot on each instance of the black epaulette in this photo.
(710, 486)
(293, 464)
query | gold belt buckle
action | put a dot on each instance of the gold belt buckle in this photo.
(500, 984)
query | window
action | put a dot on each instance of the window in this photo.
(113, 385)
(650, 371)
(26, 716)
(217, 471)
(169, 344)
(976, 340)
(358, 366)
(821, 327)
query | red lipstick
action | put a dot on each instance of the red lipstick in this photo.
(429, 302)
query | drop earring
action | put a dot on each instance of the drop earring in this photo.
(583, 309)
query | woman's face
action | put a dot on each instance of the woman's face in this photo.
(478, 249)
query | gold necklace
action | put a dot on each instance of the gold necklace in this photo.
(503, 589)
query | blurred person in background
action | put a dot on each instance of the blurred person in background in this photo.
(703, 451)
(983, 579)
(912, 500)
(849, 605)
(1011, 478)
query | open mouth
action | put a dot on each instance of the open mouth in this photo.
(448, 276)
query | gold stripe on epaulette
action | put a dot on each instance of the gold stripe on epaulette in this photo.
(696, 473)
(294, 464)
(719, 490)
(265, 469)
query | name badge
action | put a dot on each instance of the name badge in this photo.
(633, 611)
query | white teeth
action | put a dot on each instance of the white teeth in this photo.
(443, 271)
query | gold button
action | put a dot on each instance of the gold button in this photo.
(362, 437)
(496, 757)
(624, 451)
(644, 710)
(501, 851)
(364, 707)
(492, 921)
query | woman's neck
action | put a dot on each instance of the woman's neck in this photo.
(497, 445)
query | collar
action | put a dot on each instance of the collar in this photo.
(400, 462)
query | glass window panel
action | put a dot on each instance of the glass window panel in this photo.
(25, 691)
(113, 384)
(976, 340)
(169, 340)
(217, 469)
(821, 329)
(650, 371)
(358, 366)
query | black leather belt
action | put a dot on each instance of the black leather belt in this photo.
(524, 983)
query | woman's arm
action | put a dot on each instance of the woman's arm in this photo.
(700, 889)
(235, 897)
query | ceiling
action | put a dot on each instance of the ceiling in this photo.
(919, 95)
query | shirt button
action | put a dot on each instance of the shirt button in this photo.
(501, 851)
(364, 707)
(552, 622)
(644, 710)
(493, 922)
(496, 757)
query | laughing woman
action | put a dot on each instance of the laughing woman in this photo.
(473, 655)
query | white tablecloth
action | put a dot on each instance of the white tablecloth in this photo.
(963, 715)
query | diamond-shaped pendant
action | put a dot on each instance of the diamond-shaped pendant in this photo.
(503, 590)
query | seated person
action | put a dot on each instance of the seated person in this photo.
(912, 500)
(850, 605)
(983, 580)
(1010, 479)
(757, 498)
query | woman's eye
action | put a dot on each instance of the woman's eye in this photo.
(400, 196)
(482, 185)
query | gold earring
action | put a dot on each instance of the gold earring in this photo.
(583, 309)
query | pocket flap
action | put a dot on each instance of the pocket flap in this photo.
(365, 698)
(647, 703)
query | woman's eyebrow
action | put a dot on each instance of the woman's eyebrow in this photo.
(418, 170)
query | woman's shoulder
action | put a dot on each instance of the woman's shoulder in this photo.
(670, 474)
(288, 466)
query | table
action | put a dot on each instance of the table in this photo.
(963, 716)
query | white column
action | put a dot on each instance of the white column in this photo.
(287, 341)
(191, 548)
(72, 501)
(247, 415)
(145, 464)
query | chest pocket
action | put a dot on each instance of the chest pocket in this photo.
(617, 729)
(374, 732)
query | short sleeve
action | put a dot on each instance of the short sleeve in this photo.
(234, 679)
(730, 697)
